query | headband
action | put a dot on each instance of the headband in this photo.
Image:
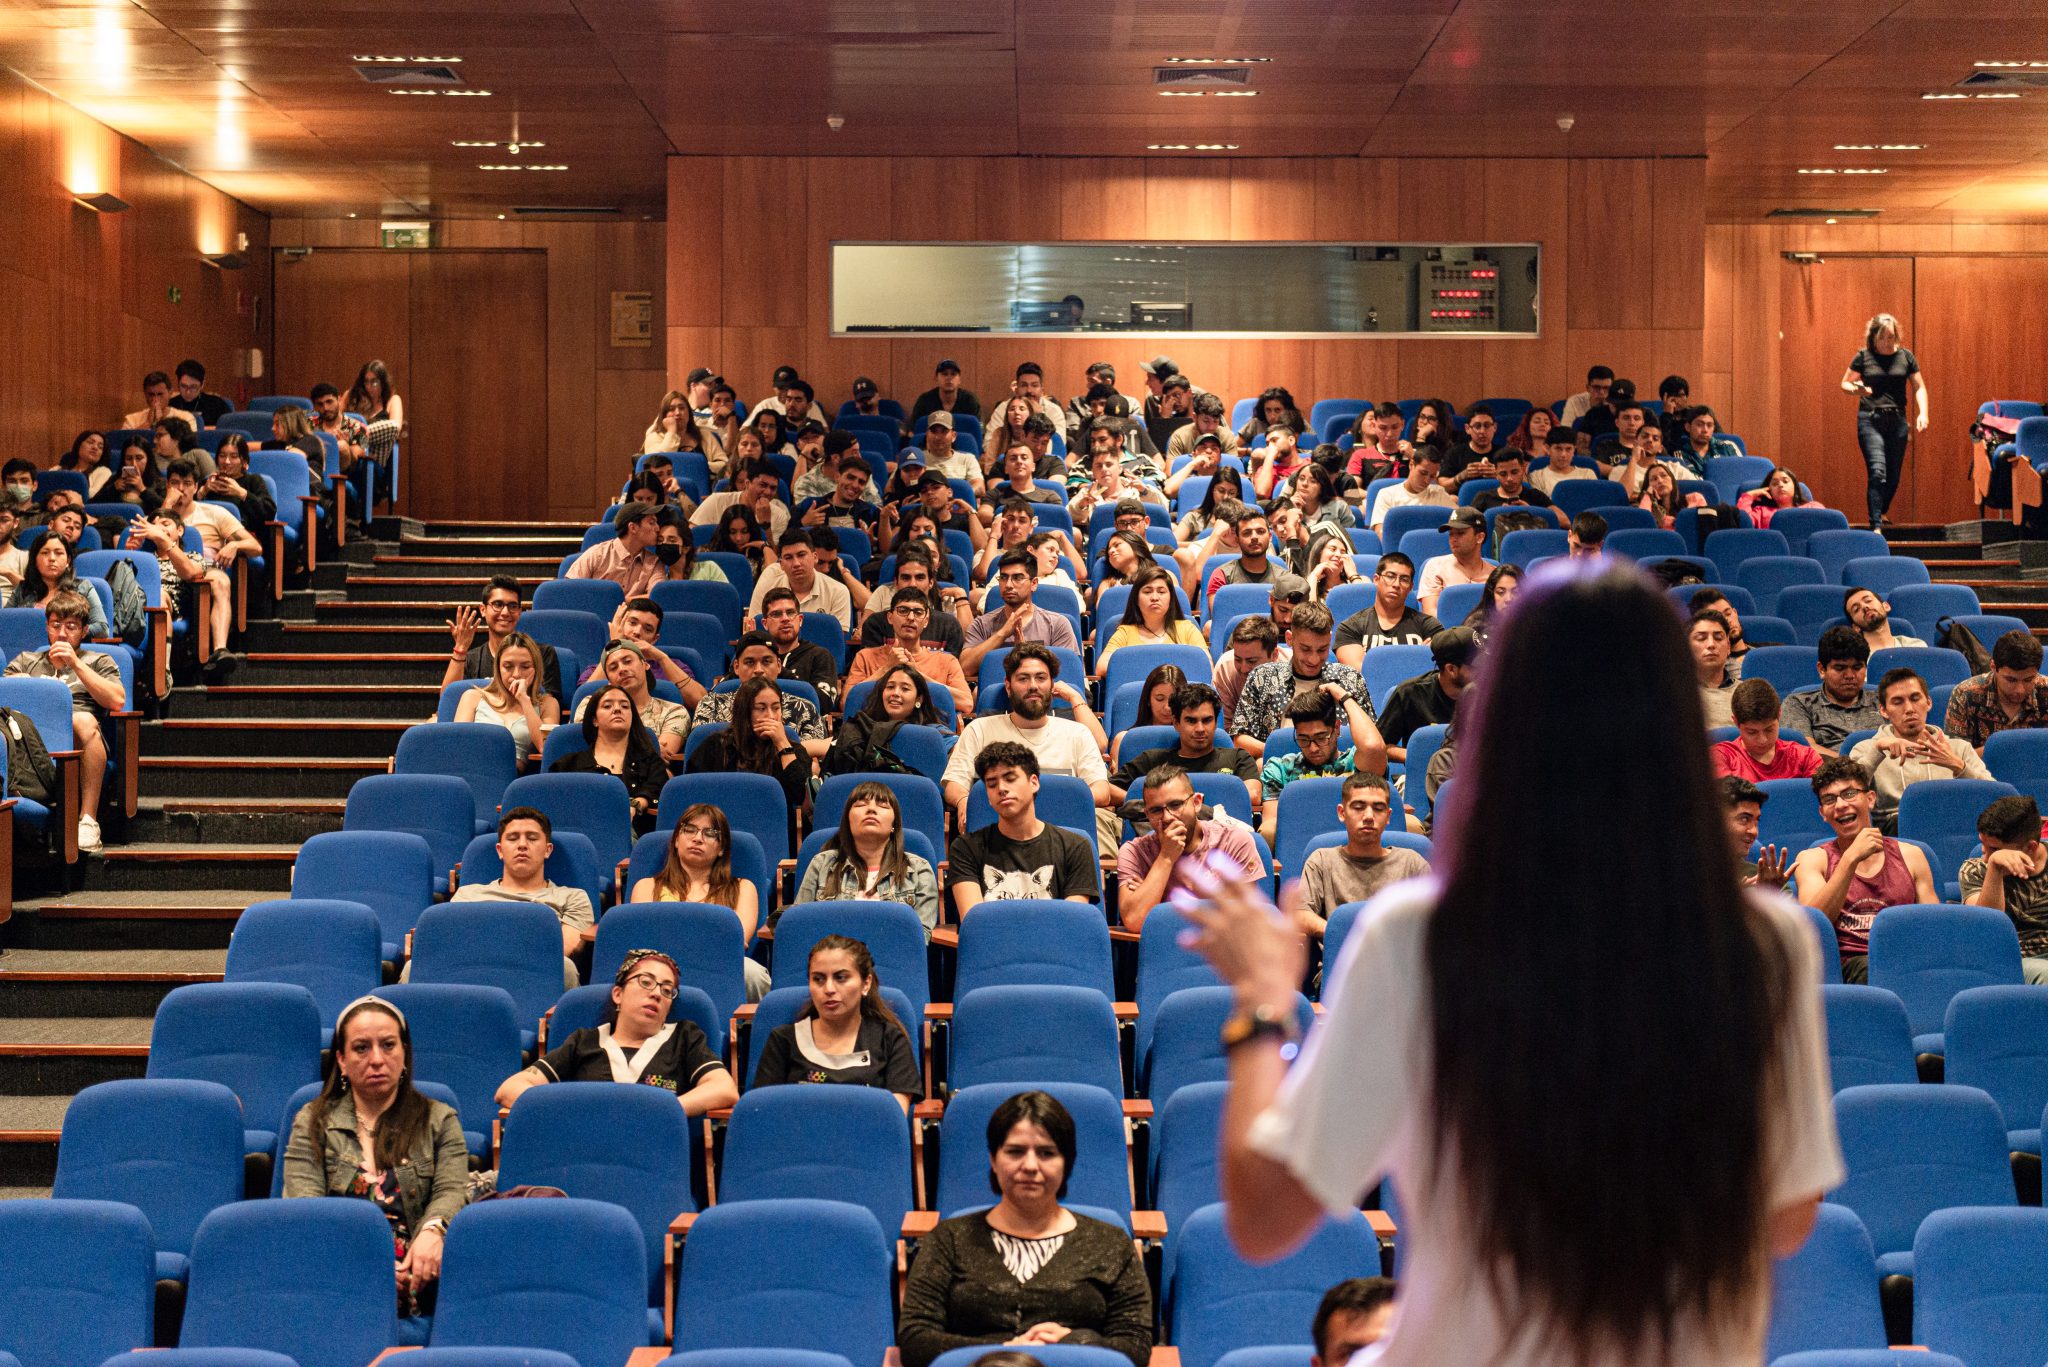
(368, 999)
(635, 957)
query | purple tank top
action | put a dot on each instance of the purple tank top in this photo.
(1865, 897)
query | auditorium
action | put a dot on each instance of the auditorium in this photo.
(1235, 683)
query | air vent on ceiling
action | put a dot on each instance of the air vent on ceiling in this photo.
(2004, 80)
(1201, 77)
(1823, 213)
(396, 73)
(566, 210)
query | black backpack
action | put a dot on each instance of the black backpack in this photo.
(31, 773)
(862, 747)
(131, 605)
(1961, 639)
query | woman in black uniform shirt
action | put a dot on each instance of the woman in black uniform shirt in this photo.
(847, 1033)
(637, 1043)
(1878, 376)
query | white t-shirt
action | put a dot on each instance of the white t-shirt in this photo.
(827, 595)
(1401, 496)
(1355, 1108)
(713, 508)
(1546, 479)
(1062, 747)
(1441, 570)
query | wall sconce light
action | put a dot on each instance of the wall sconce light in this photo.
(102, 203)
(226, 261)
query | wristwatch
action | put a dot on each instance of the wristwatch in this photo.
(1261, 1021)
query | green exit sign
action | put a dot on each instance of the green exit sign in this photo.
(408, 236)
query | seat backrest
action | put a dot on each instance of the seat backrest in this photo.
(463, 1037)
(599, 597)
(1935, 664)
(1165, 966)
(1307, 808)
(77, 1281)
(1101, 1175)
(1927, 954)
(170, 1148)
(1765, 576)
(1996, 1039)
(890, 930)
(309, 1279)
(1729, 548)
(599, 1141)
(583, 1008)
(1869, 1041)
(1575, 496)
(1825, 1295)
(1028, 1035)
(704, 939)
(820, 1143)
(1786, 668)
(330, 948)
(781, 1006)
(47, 703)
(505, 1278)
(1927, 604)
(513, 945)
(595, 805)
(1220, 1301)
(1883, 574)
(1185, 1046)
(1944, 813)
(1913, 1149)
(812, 1275)
(754, 803)
(1519, 548)
(483, 757)
(439, 808)
(1130, 664)
(390, 872)
(1645, 543)
(260, 1040)
(573, 864)
(1184, 1156)
(1978, 1286)
(1799, 524)
(1027, 941)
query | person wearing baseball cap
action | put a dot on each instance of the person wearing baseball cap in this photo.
(943, 457)
(628, 559)
(1169, 410)
(698, 389)
(1430, 699)
(1466, 528)
(867, 397)
(1078, 408)
(946, 396)
(785, 376)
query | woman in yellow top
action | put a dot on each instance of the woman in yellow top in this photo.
(1152, 617)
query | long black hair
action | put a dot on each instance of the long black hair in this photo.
(1604, 1006)
(405, 1120)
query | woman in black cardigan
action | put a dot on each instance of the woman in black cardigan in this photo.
(1027, 1271)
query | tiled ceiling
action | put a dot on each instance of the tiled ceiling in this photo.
(261, 98)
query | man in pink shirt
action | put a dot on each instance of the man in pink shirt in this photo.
(1756, 753)
(629, 559)
(1148, 868)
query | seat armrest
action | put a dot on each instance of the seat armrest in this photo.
(1380, 1223)
(1137, 1108)
(1125, 1011)
(947, 937)
(938, 1011)
(919, 1223)
(1148, 1224)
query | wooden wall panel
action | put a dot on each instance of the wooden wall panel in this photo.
(1271, 201)
(1017, 198)
(1358, 201)
(1609, 244)
(763, 263)
(465, 463)
(1102, 200)
(1967, 362)
(930, 199)
(1678, 204)
(311, 349)
(87, 298)
(696, 243)
(1187, 200)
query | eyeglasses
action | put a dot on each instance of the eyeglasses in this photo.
(1837, 798)
(701, 832)
(647, 982)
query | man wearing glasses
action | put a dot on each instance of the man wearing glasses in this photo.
(1861, 871)
(1389, 620)
(1843, 705)
(474, 659)
(909, 610)
(525, 840)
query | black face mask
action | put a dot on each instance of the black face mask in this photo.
(667, 552)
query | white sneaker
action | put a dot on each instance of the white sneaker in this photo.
(88, 833)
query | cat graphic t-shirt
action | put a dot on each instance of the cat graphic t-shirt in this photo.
(1054, 864)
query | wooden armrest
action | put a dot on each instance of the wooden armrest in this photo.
(1148, 1224)
(1161, 1357)
(411, 1348)
(1119, 933)
(745, 1011)
(918, 1223)
(719, 1113)
(946, 937)
(928, 1110)
(1125, 1011)
(681, 1224)
(1137, 1108)
(783, 866)
(590, 935)
(765, 933)
(647, 1357)
(1380, 1223)
(311, 499)
(938, 1011)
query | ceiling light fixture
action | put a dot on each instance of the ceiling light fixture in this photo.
(1215, 147)
(472, 144)
(1844, 170)
(102, 203)
(442, 92)
(1970, 95)
(521, 166)
(2012, 66)
(1182, 94)
(1880, 147)
(1215, 61)
(423, 61)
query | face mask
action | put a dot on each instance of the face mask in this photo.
(21, 493)
(668, 552)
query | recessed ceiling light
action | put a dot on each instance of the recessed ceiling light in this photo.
(2022, 66)
(1198, 94)
(1232, 94)
(1844, 171)
(1215, 61)
(501, 217)
(1880, 147)
(1970, 95)
(1165, 147)
(472, 144)
(423, 61)
(1189, 147)
(351, 215)
(520, 166)
(1831, 220)
(473, 93)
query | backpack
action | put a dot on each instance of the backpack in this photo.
(1962, 640)
(862, 747)
(1521, 520)
(1675, 573)
(131, 606)
(31, 773)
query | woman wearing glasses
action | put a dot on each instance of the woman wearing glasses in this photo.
(637, 1043)
(699, 869)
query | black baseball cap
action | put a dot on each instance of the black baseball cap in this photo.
(948, 364)
(864, 388)
(699, 376)
(785, 376)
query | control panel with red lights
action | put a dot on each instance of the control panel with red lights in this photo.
(1462, 297)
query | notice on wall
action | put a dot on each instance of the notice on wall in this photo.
(632, 318)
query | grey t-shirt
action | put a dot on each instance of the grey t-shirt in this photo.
(1332, 877)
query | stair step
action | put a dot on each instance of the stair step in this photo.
(319, 668)
(233, 737)
(129, 919)
(100, 982)
(333, 702)
(45, 1055)
(29, 1128)
(441, 566)
(388, 588)
(428, 612)
(459, 527)
(1938, 550)
(234, 820)
(202, 776)
(176, 865)
(484, 549)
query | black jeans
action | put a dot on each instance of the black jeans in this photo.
(1883, 437)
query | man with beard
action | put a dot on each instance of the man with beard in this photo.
(1030, 681)
(1872, 616)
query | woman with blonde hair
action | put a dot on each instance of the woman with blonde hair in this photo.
(515, 698)
(671, 419)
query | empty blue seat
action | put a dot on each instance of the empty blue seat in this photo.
(465, 1038)
(1398, 522)
(566, 1275)
(1927, 604)
(213, 1357)
(583, 634)
(1944, 815)
(1927, 954)
(2019, 757)
(1729, 549)
(1307, 808)
(1165, 965)
(1825, 1294)
(1031, 1035)
(78, 1281)
(1519, 548)
(753, 1357)
(1935, 664)
(1576, 496)
(1219, 1301)
(1733, 474)
(260, 1040)
(810, 1275)
(1883, 574)
(847, 1144)
(310, 1279)
(1647, 543)
(599, 598)
(483, 757)
(1030, 942)
(332, 949)
(1185, 1147)
(1869, 1041)
(1387, 667)
(1100, 1178)
(1185, 1040)
(1765, 576)
(516, 946)
(390, 872)
(172, 1149)
(1799, 524)
(1911, 1150)
(1811, 609)
(1996, 1039)
(1980, 1286)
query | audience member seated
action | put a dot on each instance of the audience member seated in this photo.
(513, 698)
(1152, 616)
(49, 575)
(757, 742)
(1658, 492)
(639, 620)
(637, 1043)
(628, 559)
(758, 487)
(1780, 491)
(1514, 492)
(1745, 802)
(1388, 620)
(2012, 696)
(718, 423)
(625, 666)
(1872, 616)
(619, 744)
(1500, 590)
(1643, 456)
(161, 534)
(1253, 641)
(796, 568)
(1429, 699)
(1361, 866)
(88, 456)
(1586, 538)
(1155, 701)
(1031, 682)
(664, 433)
(1314, 717)
(1462, 564)
(1757, 753)
(525, 840)
(835, 493)
(757, 658)
(739, 533)
(1027, 1271)
(915, 570)
(291, 429)
(1421, 489)
(13, 555)
(1169, 406)
(351, 434)
(1615, 429)
(1195, 708)
(1842, 705)
(95, 682)
(946, 396)
(1274, 465)
(782, 619)
(699, 869)
(1123, 556)
(1906, 750)
(861, 745)
(157, 406)
(233, 484)
(372, 1136)
(1149, 870)
(1272, 686)
(1107, 484)
(1020, 474)
(2008, 876)
(909, 610)
(1703, 440)
(1862, 870)
(1018, 620)
(1550, 460)
(1354, 1315)
(865, 859)
(1019, 856)
(845, 1033)
(474, 659)
(945, 459)
(1706, 635)
(1225, 486)
(64, 516)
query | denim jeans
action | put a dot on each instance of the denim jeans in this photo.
(1883, 437)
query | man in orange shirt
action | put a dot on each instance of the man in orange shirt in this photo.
(909, 610)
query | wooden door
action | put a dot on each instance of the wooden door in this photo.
(1824, 308)
(1983, 334)
(335, 310)
(479, 402)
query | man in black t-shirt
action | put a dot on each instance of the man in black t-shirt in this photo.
(1020, 856)
(1388, 620)
(1474, 457)
(1195, 707)
(1511, 468)
(1430, 699)
(191, 396)
(946, 395)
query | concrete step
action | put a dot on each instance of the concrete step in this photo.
(442, 588)
(59, 1055)
(344, 667)
(235, 737)
(128, 919)
(447, 566)
(434, 613)
(333, 702)
(100, 982)
(167, 777)
(234, 820)
(485, 549)
(175, 866)
(29, 1129)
